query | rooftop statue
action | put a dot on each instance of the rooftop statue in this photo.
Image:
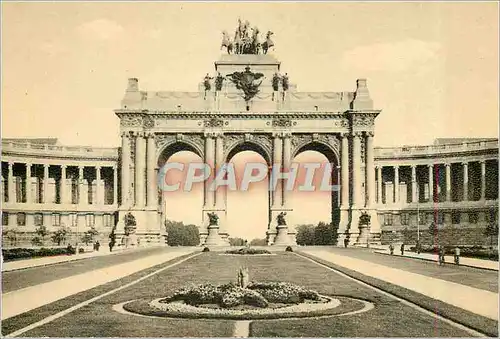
(246, 40)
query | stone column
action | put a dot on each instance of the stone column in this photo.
(431, 182)
(97, 200)
(45, 183)
(140, 158)
(465, 181)
(219, 161)
(448, 181)
(11, 187)
(414, 197)
(483, 179)
(287, 161)
(356, 170)
(62, 185)
(396, 185)
(344, 168)
(125, 169)
(152, 196)
(344, 188)
(80, 186)
(370, 171)
(370, 185)
(212, 231)
(209, 160)
(379, 184)
(115, 185)
(277, 164)
(28, 183)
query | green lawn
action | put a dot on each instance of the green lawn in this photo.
(389, 318)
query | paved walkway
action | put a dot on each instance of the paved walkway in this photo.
(29, 298)
(44, 261)
(455, 294)
(464, 261)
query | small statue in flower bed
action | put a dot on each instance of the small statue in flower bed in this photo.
(248, 250)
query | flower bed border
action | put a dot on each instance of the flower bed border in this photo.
(343, 305)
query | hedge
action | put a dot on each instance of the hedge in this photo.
(479, 252)
(25, 253)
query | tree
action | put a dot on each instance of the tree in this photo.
(41, 233)
(89, 235)
(305, 235)
(36, 241)
(179, 234)
(258, 242)
(433, 229)
(491, 231)
(60, 235)
(324, 234)
(236, 242)
(406, 235)
(12, 236)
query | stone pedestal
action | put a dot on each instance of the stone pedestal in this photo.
(282, 236)
(148, 227)
(213, 238)
(130, 240)
(364, 235)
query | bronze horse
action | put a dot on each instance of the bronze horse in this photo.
(268, 43)
(226, 42)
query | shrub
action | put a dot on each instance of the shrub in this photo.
(206, 249)
(289, 249)
(247, 250)
(25, 253)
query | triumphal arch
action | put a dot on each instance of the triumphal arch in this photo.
(247, 103)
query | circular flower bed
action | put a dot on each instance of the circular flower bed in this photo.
(248, 250)
(258, 300)
(256, 294)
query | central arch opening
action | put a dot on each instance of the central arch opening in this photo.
(248, 211)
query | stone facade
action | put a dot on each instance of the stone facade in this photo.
(82, 187)
(58, 186)
(454, 185)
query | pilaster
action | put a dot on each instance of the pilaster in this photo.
(125, 170)
(140, 158)
(152, 194)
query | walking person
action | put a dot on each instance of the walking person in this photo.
(418, 247)
(457, 255)
(391, 249)
(441, 255)
(402, 249)
(97, 245)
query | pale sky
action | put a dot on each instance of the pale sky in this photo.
(431, 67)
